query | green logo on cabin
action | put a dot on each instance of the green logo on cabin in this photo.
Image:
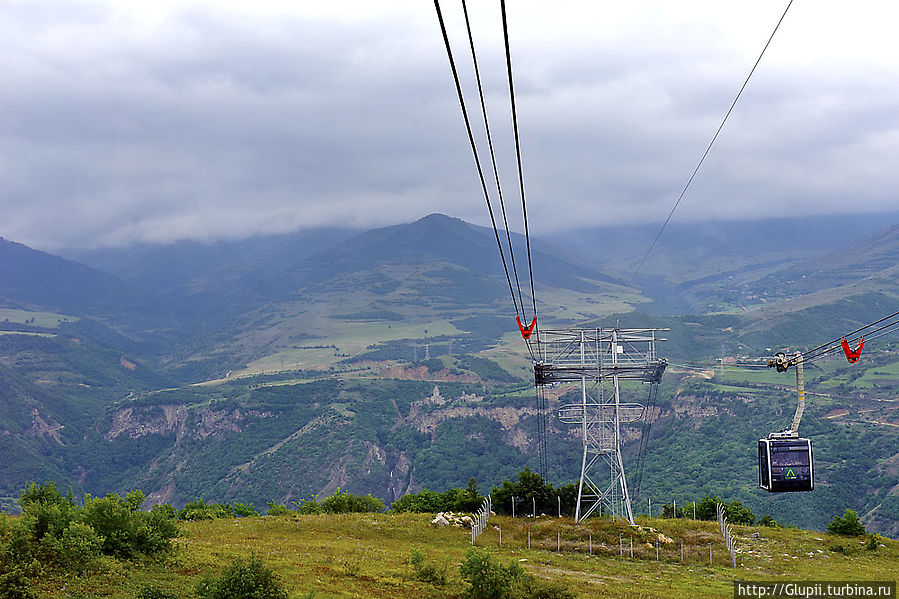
(790, 474)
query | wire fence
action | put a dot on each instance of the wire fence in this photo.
(697, 548)
(480, 519)
(728, 534)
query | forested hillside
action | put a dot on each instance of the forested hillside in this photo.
(389, 363)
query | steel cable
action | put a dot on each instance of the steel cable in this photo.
(711, 143)
(474, 148)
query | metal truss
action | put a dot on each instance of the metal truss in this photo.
(598, 359)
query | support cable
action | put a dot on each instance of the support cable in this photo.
(833, 344)
(644, 438)
(474, 149)
(524, 209)
(711, 143)
(499, 189)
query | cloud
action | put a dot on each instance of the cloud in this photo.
(137, 121)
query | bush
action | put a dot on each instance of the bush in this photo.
(427, 572)
(200, 510)
(847, 525)
(277, 509)
(79, 546)
(533, 588)
(486, 578)
(244, 510)
(151, 591)
(249, 579)
(14, 583)
(767, 520)
(344, 502)
(464, 499)
(54, 532)
(111, 518)
(340, 502)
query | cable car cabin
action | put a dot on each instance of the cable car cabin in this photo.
(786, 465)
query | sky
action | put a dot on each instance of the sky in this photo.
(131, 121)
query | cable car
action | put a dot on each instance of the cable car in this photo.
(785, 459)
(786, 464)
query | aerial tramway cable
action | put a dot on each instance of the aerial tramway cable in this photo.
(499, 188)
(474, 149)
(518, 303)
(709, 147)
(524, 210)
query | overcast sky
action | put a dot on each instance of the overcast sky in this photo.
(125, 121)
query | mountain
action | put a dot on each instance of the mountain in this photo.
(36, 280)
(389, 361)
(198, 280)
(721, 265)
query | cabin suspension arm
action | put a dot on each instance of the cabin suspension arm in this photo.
(782, 362)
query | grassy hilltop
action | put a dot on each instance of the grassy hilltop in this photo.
(368, 555)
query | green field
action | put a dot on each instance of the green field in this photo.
(368, 555)
(46, 320)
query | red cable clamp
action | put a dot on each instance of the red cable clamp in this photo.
(526, 332)
(853, 356)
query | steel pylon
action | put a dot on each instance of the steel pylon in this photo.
(598, 359)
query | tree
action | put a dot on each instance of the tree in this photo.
(847, 525)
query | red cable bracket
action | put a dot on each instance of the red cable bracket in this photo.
(851, 355)
(526, 331)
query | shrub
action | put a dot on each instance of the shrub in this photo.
(151, 591)
(426, 572)
(767, 520)
(340, 502)
(111, 517)
(486, 578)
(243, 510)
(200, 510)
(309, 506)
(249, 579)
(14, 583)
(78, 547)
(166, 510)
(344, 502)
(277, 509)
(155, 531)
(533, 588)
(847, 525)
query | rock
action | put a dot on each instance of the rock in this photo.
(440, 521)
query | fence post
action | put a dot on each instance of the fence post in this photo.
(534, 504)
(559, 499)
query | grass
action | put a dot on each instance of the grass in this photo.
(350, 339)
(28, 334)
(47, 320)
(368, 555)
